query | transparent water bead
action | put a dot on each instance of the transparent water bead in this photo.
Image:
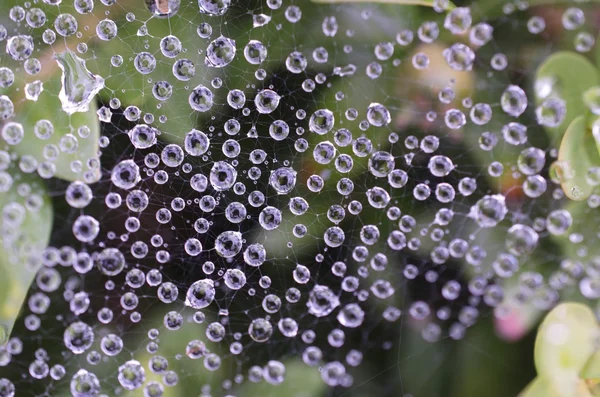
(274, 372)
(381, 164)
(259, 20)
(296, 62)
(126, 174)
(200, 294)
(234, 279)
(84, 384)
(266, 101)
(458, 20)
(521, 239)
(514, 101)
(106, 30)
(222, 176)
(7, 108)
(7, 77)
(459, 57)
(321, 121)
(144, 62)
(201, 99)
(33, 90)
(489, 210)
(220, 52)
(214, 7)
(378, 115)
(255, 52)
(283, 180)
(351, 315)
(270, 218)
(170, 46)
(131, 375)
(78, 337)
(440, 166)
(7, 388)
(20, 47)
(79, 85)
(228, 244)
(551, 112)
(66, 25)
(322, 301)
(163, 8)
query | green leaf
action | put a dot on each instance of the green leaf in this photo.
(48, 107)
(565, 75)
(592, 367)
(542, 387)
(25, 227)
(172, 344)
(427, 3)
(577, 154)
(585, 224)
(300, 381)
(564, 343)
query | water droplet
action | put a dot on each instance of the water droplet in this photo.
(79, 85)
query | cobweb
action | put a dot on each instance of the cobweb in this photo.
(284, 186)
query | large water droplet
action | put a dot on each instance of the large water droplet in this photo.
(163, 8)
(79, 85)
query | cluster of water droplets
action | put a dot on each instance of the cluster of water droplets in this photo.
(293, 213)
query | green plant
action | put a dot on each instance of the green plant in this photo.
(567, 77)
(70, 145)
(567, 355)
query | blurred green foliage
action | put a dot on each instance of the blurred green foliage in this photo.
(480, 363)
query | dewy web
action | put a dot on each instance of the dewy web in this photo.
(246, 188)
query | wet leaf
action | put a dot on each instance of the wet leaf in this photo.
(585, 224)
(565, 75)
(564, 343)
(577, 154)
(592, 367)
(192, 375)
(49, 108)
(542, 387)
(25, 227)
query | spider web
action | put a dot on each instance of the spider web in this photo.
(420, 287)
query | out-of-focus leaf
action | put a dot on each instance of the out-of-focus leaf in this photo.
(565, 75)
(592, 367)
(49, 108)
(192, 373)
(427, 3)
(585, 224)
(542, 387)
(564, 343)
(577, 154)
(300, 381)
(25, 226)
